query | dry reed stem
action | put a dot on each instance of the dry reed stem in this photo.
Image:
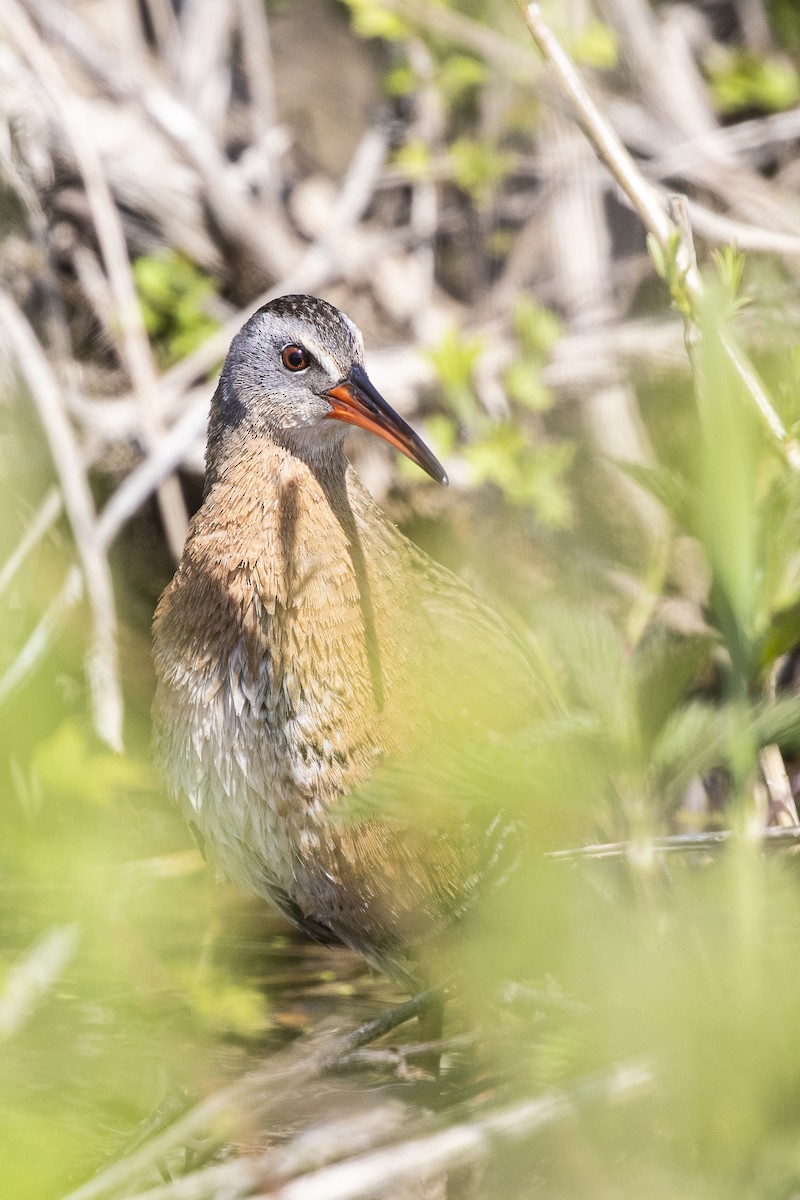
(772, 838)
(311, 1149)
(461, 1145)
(262, 1088)
(647, 204)
(45, 517)
(135, 345)
(773, 768)
(125, 501)
(102, 665)
(41, 639)
(260, 231)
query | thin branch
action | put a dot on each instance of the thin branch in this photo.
(263, 235)
(165, 26)
(203, 60)
(757, 136)
(47, 514)
(134, 340)
(144, 479)
(38, 644)
(311, 1149)
(716, 227)
(773, 768)
(417, 1159)
(126, 500)
(258, 66)
(647, 204)
(607, 144)
(102, 665)
(263, 1088)
(400, 1056)
(680, 843)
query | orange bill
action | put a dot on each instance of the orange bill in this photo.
(357, 402)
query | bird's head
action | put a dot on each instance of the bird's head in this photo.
(295, 372)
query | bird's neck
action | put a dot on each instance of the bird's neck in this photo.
(296, 540)
(266, 504)
(252, 456)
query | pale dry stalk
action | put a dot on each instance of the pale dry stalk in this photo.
(647, 204)
(102, 665)
(134, 341)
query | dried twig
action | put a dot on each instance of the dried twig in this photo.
(260, 1089)
(716, 227)
(103, 667)
(203, 66)
(310, 1150)
(262, 235)
(350, 1169)
(125, 501)
(782, 800)
(41, 639)
(47, 514)
(374, 1174)
(681, 843)
(648, 206)
(165, 26)
(257, 62)
(134, 340)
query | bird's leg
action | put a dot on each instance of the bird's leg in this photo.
(430, 1019)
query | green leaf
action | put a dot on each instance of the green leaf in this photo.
(596, 46)
(414, 158)
(458, 75)
(656, 255)
(741, 79)
(666, 486)
(454, 361)
(730, 264)
(400, 81)
(665, 665)
(478, 167)
(599, 679)
(523, 382)
(725, 516)
(528, 474)
(173, 294)
(691, 741)
(371, 20)
(785, 21)
(781, 636)
(537, 328)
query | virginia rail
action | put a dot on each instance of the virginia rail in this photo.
(304, 642)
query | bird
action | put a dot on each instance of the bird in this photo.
(305, 645)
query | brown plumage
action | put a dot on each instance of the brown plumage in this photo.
(304, 642)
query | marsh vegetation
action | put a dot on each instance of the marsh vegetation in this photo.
(617, 408)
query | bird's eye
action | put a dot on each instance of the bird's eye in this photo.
(295, 358)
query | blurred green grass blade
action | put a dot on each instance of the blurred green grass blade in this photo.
(33, 976)
(726, 517)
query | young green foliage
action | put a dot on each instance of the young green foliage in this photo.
(174, 295)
